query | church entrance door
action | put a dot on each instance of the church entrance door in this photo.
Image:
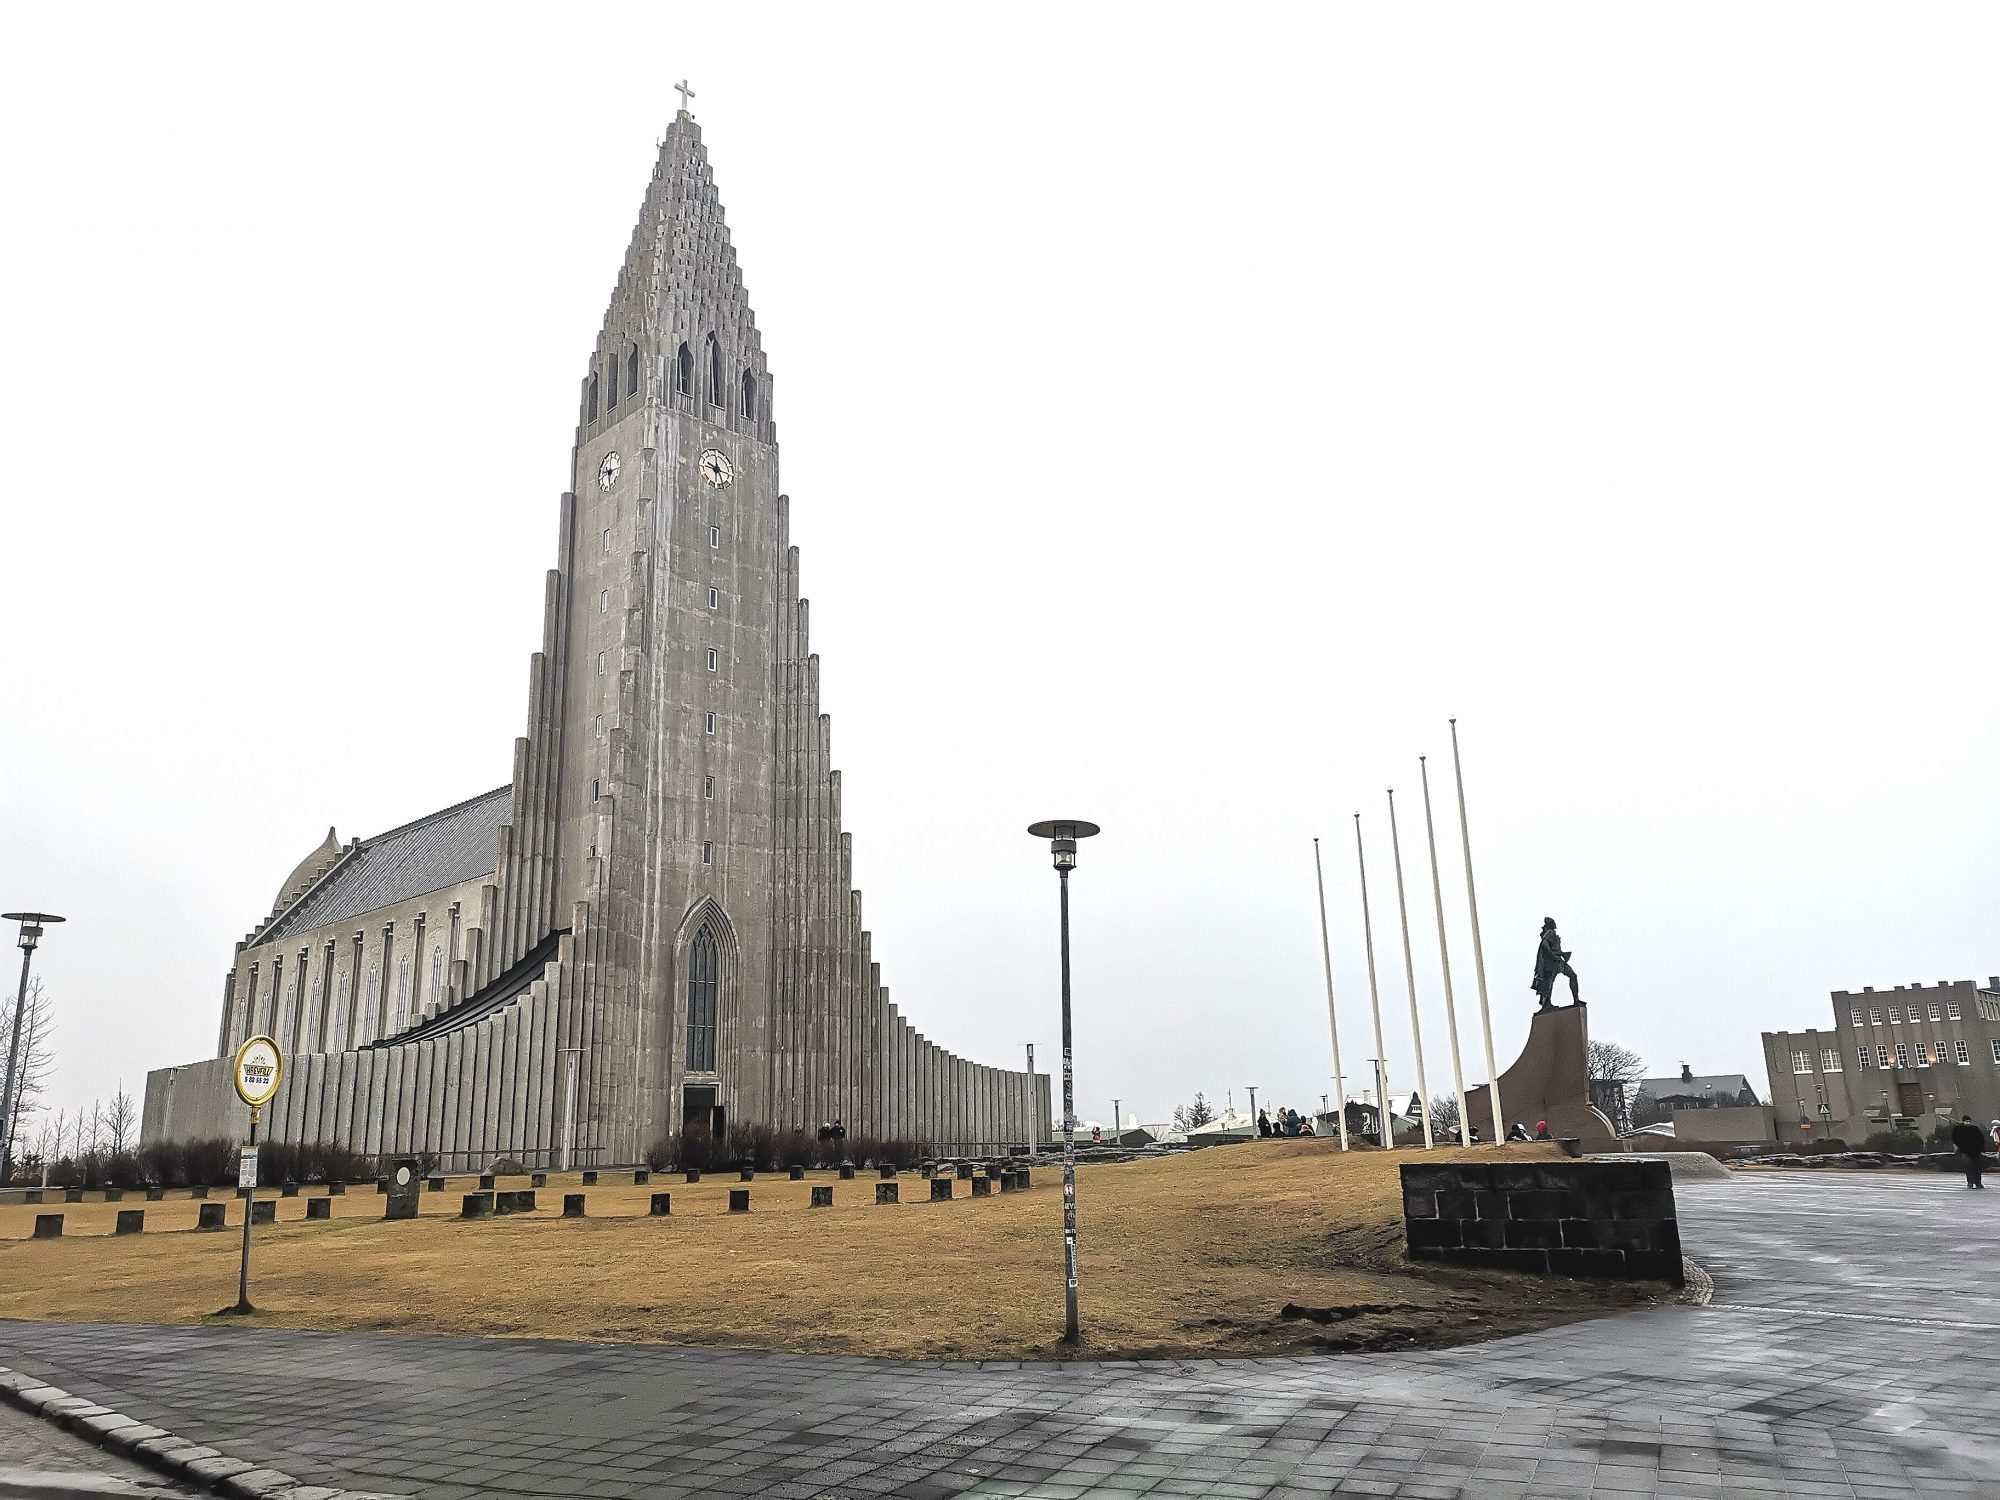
(1910, 1096)
(700, 1109)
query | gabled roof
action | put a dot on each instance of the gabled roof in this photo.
(440, 850)
(1676, 1087)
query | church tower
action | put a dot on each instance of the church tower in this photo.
(653, 927)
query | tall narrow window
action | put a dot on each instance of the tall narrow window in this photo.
(717, 392)
(1902, 1055)
(684, 372)
(631, 369)
(715, 540)
(707, 851)
(590, 400)
(607, 539)
(708, 787)
(703, 963)
(1881, 1057)
(749, 396)
(600, 726)
(708, 723)
(714, 660)
(611, 382)
(715, 598)
(1801, 1063)
(604, 601)
(600, 664)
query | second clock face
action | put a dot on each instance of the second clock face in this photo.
(716, 468)
(607, 472)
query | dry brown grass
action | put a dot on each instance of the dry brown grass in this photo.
(1187, 1254)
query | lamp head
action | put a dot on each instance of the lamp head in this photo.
(1062, 834)
(32, 923)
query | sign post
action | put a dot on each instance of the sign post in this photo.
(258, 1069)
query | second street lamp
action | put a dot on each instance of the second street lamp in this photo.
(1062, 834)
(32, 923)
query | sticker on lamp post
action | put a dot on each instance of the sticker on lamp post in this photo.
(257, 1070)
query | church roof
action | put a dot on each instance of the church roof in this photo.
(1730, 1085)
(440, 850)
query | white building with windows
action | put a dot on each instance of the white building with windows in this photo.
(1908, 1057)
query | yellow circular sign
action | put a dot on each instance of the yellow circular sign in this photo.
(258, 1070)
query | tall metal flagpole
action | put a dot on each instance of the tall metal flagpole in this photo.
(1478, 956)
(1384, 1129)
(1332, 1021)
(1444, 958)
(1410, 973)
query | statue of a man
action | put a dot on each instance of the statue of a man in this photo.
(1552, 959)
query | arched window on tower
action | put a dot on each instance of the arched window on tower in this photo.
(703, 963)
(590, 400)
(632, 369)
(749, 396)
(684, 372)
(717, 395)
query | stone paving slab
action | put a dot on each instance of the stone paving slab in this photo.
(1850, 1348)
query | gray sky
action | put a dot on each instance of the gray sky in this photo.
(1185, 411)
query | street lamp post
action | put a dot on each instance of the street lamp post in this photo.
(1062, 834)
(32, 923)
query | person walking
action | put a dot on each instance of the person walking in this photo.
(1970, 1142)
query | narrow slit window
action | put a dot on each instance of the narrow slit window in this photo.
(715, 598)
(707, 851)
(600, 726)
(715, 536)
(593, 789)
(604, 601)
(607, 539)
(684, 372)
(714, 659)
(708, 787)
(600, 664)
(590, 400)
(749, 396)
(611, 382)
(708, 723)
(632, 369)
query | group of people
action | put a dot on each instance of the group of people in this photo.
(1288, 1122)
(1520, 1132)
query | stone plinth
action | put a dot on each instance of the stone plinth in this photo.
(641, 1177)
(1612, 1220)
(401, 1190)
(941, 1189)
(538, 1179)
(572, 1205)
(211, 1216)
(336, 1190)
(48, 1226)
(475, 1205)
(155, 1194)
(847, 1171)
(590, 1179)
(130, 1221)
(739, 1200)
(982, 1187)
(514, 1201)
(263, 1210)
(199, 1190)
(886, 1192)
(486, 1182)
(114, 1195)
(885, 1172)
(433, 1184)
(289, 1190)
(663, 1205)
(33, 1195)
(1549, 1081)
(746, 1174)
(796, 1174)
(693, 1174)
(319, 1208)
(822, 1197)
(72, 1195)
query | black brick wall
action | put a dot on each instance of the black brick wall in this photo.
(1612, 1219)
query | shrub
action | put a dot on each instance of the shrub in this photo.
(63, 1173)
(211, 1162)
(660, 1155)
(695, 1149)
(121, 1170)
(794, 1148)
(753, 1145)
(900, 1154)
(1896, 1142)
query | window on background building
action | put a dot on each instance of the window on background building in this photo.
(600, 726)
(715, 598)
(593, 789)
(1895, 1015)
(1861, 1053)
(1857, 1016)
(708, 787)
(604, 601)
(1902, 1055)
(1829, 1060)
(1934, 1012)
(714, 661)
(1965, 1057)
(1801, 1063)
(708, 851)
(1874, 1017)
(1882, 1057)
(606, 539)
(708, 723)
(715, 536)
(1951, 1010)
(600, 664)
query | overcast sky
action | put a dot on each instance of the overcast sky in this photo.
(1185, 412)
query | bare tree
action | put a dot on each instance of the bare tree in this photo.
(1614, 1071)
(90, 1130)
(1188, 1116)
(120, 1118)
(36, 1058)
(1444, 1114)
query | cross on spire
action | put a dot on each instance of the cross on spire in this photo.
(685, 92)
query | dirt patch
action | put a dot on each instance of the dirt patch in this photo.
(1189, 1255)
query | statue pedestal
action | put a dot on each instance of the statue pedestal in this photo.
(1550, 1081)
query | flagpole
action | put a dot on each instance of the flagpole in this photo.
(1478, 956)
(1444, 958)
(1410, 973)
(1386, 1130)
(1332, 1023)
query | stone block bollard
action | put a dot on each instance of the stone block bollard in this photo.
(212, 1216)
(590, 1179)
(641, 1176)
(319, 1208)
(847, 1171)
(113, 1194)
(486, 1182)
(72, 1195)
(739, 1200)
(797, 1174)
(33, 1195)
(434, 1184)
(516, 1201)
(886, 1172)
(289, 1190)
(48, 1226)
(572, 1205)
(941, 1189)
(336, 1190)
(746, 1174)
(982, 1187)
(538, 1179)
(965, 1169)
(130, 1221)
(1007, 1183)
(693, 1174)
(198, 1190)
(155, 1194)
(822, 1197)
(1022, 1181)
(475, 1205)
(885, 1192)
(663, 1205)
(382, 1185)
(263, 1210)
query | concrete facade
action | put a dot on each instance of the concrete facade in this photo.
(1913, 1056)
(654, 922)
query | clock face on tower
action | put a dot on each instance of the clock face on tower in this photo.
(717, 469)
(607, 472)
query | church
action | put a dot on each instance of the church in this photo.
(652, 927)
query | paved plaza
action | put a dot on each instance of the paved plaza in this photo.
(1852, 1350)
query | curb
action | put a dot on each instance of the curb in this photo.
(1699, 1290)
(155, 1447)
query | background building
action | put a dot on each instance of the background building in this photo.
(1909, 1057)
